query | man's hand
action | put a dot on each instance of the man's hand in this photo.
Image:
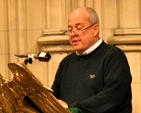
(64, 104)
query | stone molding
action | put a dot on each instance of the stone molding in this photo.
(126, 39)
(54, 41)
(132, 31)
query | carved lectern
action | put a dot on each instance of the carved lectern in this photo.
(26, 94)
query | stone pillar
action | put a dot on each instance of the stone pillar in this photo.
(13, 29)
(127, 36)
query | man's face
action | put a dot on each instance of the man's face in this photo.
(81, 39)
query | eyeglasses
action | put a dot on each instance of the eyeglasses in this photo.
(78, 30)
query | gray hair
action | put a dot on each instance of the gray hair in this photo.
(92, 16)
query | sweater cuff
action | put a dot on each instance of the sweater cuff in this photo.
(73, 105)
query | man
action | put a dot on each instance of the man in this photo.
(96, 77)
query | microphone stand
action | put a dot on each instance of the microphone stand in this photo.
(28, 60)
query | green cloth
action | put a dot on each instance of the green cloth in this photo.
(74, 110)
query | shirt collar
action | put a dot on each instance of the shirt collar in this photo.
(89, 50)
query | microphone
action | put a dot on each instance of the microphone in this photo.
(41, 56)
(25, 55)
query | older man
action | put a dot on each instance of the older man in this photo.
(96, 77)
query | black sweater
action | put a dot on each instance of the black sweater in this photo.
(95, 83)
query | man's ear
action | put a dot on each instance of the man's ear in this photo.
(96, 29)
